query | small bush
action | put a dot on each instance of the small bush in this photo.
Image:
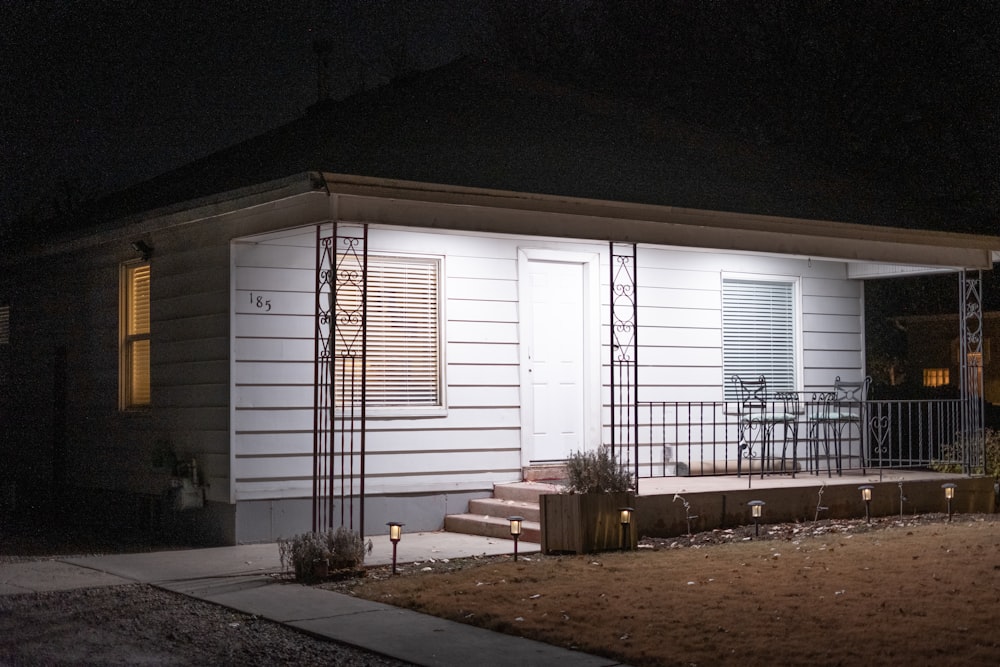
(596, 472)
(952, 453)
(339, 549)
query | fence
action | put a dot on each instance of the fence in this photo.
(723, 438)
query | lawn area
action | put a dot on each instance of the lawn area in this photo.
(920, 590)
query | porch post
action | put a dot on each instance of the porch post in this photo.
(340, 387)
(624, 354)
(970, 364)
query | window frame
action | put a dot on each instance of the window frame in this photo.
(794, 372)
(405, 410)
(129, 340)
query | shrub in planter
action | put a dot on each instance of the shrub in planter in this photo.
(597, 471)
(586, 518)
(312, 556)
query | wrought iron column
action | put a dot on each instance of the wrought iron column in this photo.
(339, 419)
(624, 356)
(970, 364)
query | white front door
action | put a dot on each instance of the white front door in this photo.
(557, 360)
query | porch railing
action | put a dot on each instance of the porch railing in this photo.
(715, 438)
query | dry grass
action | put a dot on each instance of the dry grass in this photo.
(911, 592)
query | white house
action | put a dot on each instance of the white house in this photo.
(196, 342)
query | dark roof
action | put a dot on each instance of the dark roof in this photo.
(471, 124)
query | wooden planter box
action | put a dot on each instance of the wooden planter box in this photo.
(584, 522)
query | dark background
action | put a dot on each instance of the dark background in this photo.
(97, 96)
(100, 95)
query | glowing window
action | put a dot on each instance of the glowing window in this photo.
(134, 347)
(936, 377)
(404, 357)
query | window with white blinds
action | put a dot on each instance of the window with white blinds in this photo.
(404, 360)
(758, 333)
(134, 364)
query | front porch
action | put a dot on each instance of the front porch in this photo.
(672, 506)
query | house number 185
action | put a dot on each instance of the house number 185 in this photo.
(259, 302)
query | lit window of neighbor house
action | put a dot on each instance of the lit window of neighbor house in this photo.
(758, 332)
(936, 377)
(134, 346)
(404, 360)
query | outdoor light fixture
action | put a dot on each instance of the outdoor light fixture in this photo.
(866, 495)
(144, 249)
(626, 520)
(395, 534)
(949, 493)
(515, 530)
(756, 509)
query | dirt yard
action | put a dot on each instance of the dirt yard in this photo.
(899, 592)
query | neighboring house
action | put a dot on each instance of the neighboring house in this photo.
(932, 354)
(177, 337)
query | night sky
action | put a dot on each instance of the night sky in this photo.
(97, 96)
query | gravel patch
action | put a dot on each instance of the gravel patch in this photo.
(137, 624)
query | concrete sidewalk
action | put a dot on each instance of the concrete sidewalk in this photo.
(241, 578)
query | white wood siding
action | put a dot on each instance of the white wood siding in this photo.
(680, 320)
(477, 442)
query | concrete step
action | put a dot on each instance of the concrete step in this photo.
(524, 491)
(502, 509)
(491, 526)
(551, 472)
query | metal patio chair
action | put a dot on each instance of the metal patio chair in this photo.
(757, 415)
(838, 411)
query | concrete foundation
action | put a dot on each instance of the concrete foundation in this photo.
(660, 511)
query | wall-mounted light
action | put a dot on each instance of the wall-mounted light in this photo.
(866, 495)
(395, 535)
(949, 494)
(144, 249)
(625, 516)
(756, 510)
(515, 530)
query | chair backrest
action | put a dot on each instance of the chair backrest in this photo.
(751, 394)
(851, 392)
(790, 403)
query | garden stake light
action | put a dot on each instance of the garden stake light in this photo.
(395, 533)
(626, 519)
(515, 530)
(866, 495)
(756, 509)
(949, 493)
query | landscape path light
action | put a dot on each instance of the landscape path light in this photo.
(395, 534)
(949, 494)
(866, 495)
(756, 510)
(625, 514)
(515, 530)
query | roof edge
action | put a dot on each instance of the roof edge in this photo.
(985, 247)
(174, 215)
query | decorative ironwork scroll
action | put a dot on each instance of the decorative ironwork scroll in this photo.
(970, 364)
(624, 356)
(340, 377)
